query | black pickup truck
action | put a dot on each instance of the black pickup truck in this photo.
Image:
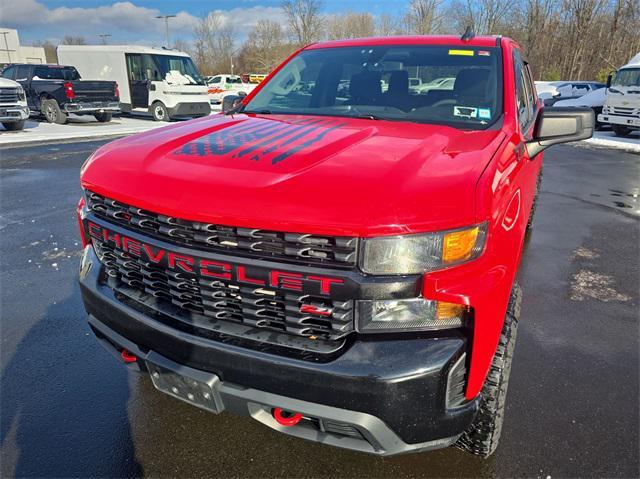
(57, 90)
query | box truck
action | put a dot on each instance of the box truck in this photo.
(622, 104)
(165, 83)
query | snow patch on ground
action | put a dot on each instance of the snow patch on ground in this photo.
(79, 127)
(590, 285)
(608, 139)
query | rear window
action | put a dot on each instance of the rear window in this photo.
(56, 73)
(422, 84)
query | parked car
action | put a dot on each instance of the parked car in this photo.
(594, 100)
(164, 83)
(338, 268)
(220, 86)
(621, 108)
(55, 91)
(14, 110)
(550, 92)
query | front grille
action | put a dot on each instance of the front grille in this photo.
(204, 300)
(619, 110)
(309, 249)
(8, 95)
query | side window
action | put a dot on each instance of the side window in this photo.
(523, 92)
(9, 73)
(533, 96)
(134, 64)
(22, 73)
(215, 80)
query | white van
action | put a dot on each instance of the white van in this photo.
(621, 107)
(165, 83)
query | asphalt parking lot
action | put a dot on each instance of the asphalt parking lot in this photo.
(69, 409)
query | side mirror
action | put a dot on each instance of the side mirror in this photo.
(230, 103)
(609, 77)
(561, 125)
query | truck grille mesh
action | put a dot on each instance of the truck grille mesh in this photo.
(8, 95)
(201, 297)
(333, 251)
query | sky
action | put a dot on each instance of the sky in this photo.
(133, 21)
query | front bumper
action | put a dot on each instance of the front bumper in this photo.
(13, 113)
(190, 109)
(92, 107)
(628, 121)
(391, 394)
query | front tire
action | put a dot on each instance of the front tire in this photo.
(52, 112)
(14, 125)
(103, 117)
(621, 130)
(483, 435)
(159, 112)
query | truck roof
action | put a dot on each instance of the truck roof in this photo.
(455, 40)
(121, 48)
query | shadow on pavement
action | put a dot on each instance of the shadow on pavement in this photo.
(64, 406)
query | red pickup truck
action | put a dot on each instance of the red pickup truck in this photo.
(336, 255)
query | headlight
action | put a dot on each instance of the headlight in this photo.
(416, 314)
(21, 95)
(420, 253)
(605, 109)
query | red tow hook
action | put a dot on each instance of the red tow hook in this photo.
(286, 418)
(127, 357)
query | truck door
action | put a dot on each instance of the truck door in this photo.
(24, 78)
(138, 82)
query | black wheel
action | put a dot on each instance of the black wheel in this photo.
(14, 125)
(159, 112)
(621, 130)
(104, 117)
(52, 112)
(535, 203)
(483, 435)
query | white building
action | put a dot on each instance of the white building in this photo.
(12, 52)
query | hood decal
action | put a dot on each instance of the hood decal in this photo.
(260, 138)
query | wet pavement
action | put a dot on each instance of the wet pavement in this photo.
(69, 409)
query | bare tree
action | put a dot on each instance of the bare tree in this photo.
(388, 25)
(304, 20)
(424, 17)
(50, 53)
(265, 47)
(183, 46)
(214, 41)
(485, 17)
(71, 40)
(350, 25)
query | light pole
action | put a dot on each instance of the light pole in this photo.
(166, 25)
(103, 37)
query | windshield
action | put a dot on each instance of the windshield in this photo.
(183, 65)
(627, 77)
(56, 73)
(457, 86)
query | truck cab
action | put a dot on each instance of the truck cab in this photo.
(330, 257)
(621, 108)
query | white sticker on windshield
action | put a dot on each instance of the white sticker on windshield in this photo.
(465, 111)
(484, 113)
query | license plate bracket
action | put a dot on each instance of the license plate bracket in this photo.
(198, 388)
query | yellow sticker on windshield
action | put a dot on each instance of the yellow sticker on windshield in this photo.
(464, 53)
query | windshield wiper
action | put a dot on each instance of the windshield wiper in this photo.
(365, 116)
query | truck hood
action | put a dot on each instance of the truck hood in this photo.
(307, 174)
